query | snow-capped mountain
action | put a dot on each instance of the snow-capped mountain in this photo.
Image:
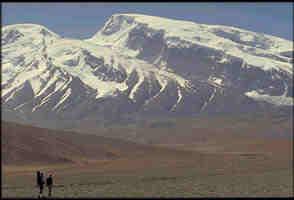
(143, 65)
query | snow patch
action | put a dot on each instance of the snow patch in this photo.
(282, 100)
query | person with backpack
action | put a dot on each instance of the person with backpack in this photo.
(49, 183)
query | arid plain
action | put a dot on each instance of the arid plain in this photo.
(204, 162)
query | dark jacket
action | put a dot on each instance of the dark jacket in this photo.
(41, 182)
(49, 181)
(39, 178)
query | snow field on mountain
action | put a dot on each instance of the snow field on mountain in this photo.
(35, 54)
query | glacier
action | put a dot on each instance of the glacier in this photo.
(143, 65)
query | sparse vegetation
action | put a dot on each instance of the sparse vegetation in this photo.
(206, 164)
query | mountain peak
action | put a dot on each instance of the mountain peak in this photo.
(192, 32)
(140, 65)
(127, 30)
(27, 29)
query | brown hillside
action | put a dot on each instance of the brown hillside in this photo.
(22, 144)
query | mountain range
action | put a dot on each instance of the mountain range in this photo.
(139, 66)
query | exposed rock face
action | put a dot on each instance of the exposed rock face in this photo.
(140, 65)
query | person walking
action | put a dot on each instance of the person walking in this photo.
(41, 184)
(38, 181)
(49, 183)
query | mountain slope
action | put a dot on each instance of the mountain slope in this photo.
(139, 65)
(23, 144)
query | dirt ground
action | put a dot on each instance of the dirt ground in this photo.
(203, 174)
(209, 165)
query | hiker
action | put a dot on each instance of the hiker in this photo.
(49, 183)
(38, 178)
(41, 183)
